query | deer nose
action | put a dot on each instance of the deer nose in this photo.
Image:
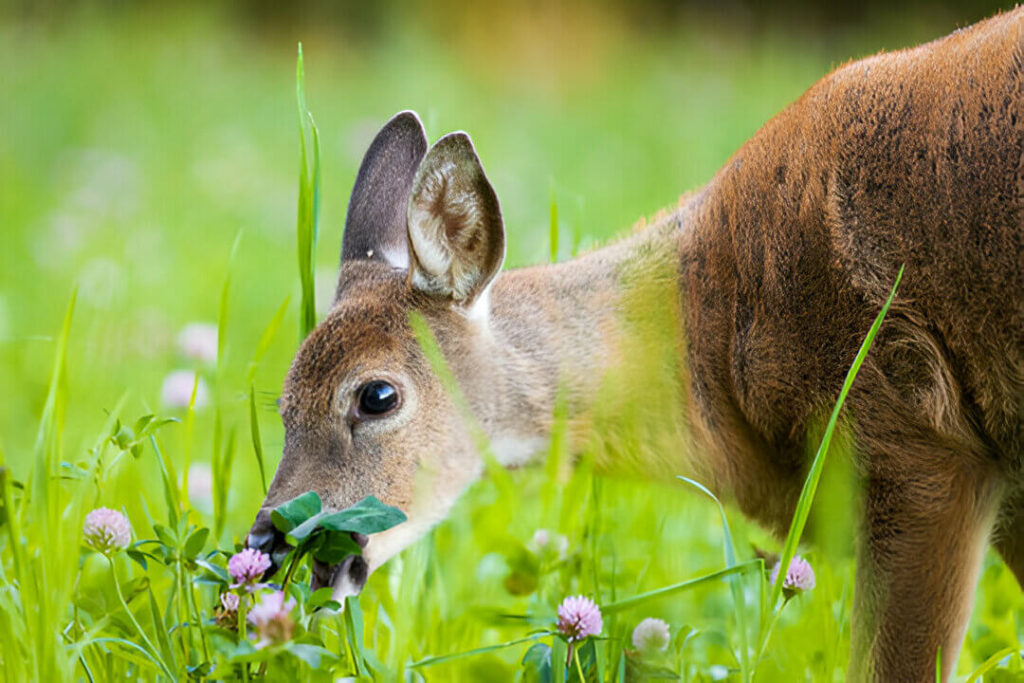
(263, 535)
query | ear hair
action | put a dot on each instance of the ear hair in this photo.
(456, 234)
(375, 223)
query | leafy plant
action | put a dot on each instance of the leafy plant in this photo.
(325, 535)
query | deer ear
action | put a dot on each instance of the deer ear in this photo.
(375, 224)
(456, 235)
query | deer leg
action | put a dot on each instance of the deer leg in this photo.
(1009, 536)
(928, 515)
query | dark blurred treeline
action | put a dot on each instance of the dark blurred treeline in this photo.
(368, 19)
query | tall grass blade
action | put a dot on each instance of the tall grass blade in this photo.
(309, 203)
(803, 506)
(659, 593)
(553, 230)
(257, 442)
(993, 661)
(428, 343)
(734, 584)
(222, 311)
(441, 659)
(265, 339)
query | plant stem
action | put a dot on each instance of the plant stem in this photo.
(120, 596)
(763, 644)
(579, 667)
(199, 622)
(183, 610)
(242, 599)
(291, 570)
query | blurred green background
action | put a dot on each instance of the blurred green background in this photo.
(138, 141)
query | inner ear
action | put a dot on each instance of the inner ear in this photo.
(456, 234)
(375, 223)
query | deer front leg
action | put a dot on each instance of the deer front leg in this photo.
(927, 520)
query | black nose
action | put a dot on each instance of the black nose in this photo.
(265, 537)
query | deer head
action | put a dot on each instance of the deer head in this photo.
(364, 413)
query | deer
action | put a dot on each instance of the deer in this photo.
(767, 279)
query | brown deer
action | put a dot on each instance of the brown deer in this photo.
(768, 279)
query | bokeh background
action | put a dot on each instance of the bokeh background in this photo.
(140, 140)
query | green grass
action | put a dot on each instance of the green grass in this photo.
(148, 163)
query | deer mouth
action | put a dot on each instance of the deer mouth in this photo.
(346, 577)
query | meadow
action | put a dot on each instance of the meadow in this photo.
(148, 193)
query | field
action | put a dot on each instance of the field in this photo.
(148, 174)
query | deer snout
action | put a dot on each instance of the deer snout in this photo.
(351, 573)
(265, 537)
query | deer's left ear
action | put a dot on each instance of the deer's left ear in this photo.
(456, 235)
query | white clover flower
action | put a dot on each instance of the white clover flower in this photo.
(200, 486)
(651, 635)
(176, 390)
(549, 542)
(198, 341)
(107, 531)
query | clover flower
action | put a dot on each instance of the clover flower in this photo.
(200, 486)
(246, 567)
(799, 577)
(579, 618)
(226, 613)
(651, 635)
(107, 531)
(198, 341)
(229, 602)
(176, 390)
(548, 542)
(272, 618)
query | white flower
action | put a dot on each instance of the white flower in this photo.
(176, 390)
(200, 486)
(548, 542)
(107, 531)
(651, 635)
(198, 341)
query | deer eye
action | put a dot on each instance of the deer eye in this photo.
(377, 397)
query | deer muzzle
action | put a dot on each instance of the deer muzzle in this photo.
(348, 576)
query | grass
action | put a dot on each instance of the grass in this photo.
(150, 160)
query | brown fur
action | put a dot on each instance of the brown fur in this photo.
(778, 267)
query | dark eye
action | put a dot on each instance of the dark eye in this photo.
(377, 397)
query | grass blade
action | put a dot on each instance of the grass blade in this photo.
(992, 662)
(257, 442)
(803, 506)
(672, 589)
(428, 343)
(441, 659)
(553, 231)
(309, 203)
(734, 584)
(264, 343)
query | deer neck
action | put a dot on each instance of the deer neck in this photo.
(592, 336)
